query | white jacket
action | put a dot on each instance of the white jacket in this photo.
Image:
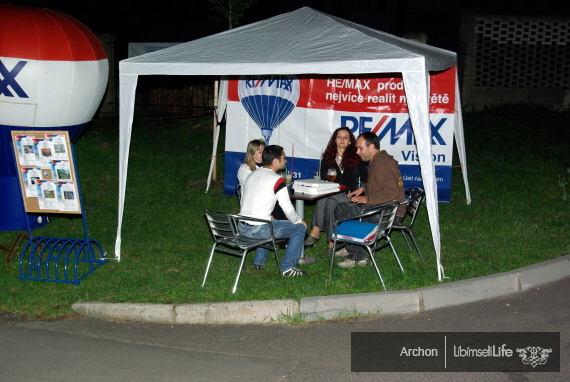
(243, 173)
(263, 188)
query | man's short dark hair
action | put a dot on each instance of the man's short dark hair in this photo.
(271, 152)
(371, 139)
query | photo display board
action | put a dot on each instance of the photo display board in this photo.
(46, 172)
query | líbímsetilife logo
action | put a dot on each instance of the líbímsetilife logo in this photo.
(534, 355)
(455, 352)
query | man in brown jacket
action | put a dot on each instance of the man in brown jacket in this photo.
(384, 185)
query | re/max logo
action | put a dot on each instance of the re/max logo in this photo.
(271, 82)
(383, 128)
(8, 80)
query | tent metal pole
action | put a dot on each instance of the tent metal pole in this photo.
(215, 121)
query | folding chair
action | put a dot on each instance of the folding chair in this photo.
(381, 218)
(227, 238)
(415, 197)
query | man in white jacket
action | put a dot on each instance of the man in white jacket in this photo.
(263, 188)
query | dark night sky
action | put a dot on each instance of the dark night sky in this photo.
(185, 20)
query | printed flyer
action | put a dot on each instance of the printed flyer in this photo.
(46, 171)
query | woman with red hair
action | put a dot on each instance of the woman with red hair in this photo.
(340, 154)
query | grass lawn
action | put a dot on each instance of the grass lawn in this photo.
(520, 215)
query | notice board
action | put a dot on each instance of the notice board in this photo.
(46, 172)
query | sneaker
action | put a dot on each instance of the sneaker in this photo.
(257, 267)
(294, 272)
(349, 263)
(327, 253)
(341, 253)
(310, 241)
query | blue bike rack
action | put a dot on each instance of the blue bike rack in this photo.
(61, 260)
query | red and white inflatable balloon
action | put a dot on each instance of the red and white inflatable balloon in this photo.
(53, 75)
(54, 70)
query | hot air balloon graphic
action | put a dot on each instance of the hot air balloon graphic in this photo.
(53, 75)
(268, 100)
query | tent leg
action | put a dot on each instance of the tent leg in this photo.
(214, 174)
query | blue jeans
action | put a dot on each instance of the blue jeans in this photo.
(282, 229)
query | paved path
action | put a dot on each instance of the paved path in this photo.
(91, 349)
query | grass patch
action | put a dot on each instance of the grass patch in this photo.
(517, 162)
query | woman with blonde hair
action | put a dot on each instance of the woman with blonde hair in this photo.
(252, 160)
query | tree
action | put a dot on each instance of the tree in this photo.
(232, 10)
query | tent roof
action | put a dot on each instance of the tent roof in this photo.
(304, 41)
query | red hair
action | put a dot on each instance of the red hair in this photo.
(349, 159)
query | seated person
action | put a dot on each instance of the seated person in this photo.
(252, 161)
(384, 185)
(263, 188)
(340, 154)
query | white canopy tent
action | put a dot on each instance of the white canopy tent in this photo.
(304, 41)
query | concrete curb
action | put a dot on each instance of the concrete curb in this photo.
(245, 312)
(327, 307)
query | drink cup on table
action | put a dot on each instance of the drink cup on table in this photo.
(289, 178)
(331, 174)
(316, 175)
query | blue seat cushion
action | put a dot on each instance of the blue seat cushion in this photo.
(356, 231)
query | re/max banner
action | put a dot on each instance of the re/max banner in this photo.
(324, 103)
